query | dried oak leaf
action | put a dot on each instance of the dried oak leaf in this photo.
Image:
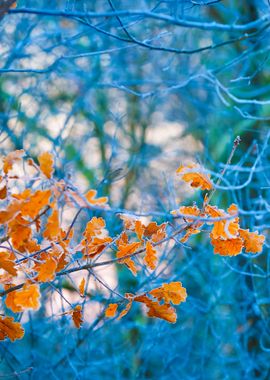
(126, 309)
(228, 247)
(7, 262)
(156, 310)
(20, 233)
(253, 242)
(28, 297)
(88, 198)
(139, 229)
(95, 227)
(152, 231)
(33, 203)
(58, 253)
(233, 209)
(10, 329)
(165, 311)
(196, 224)
(196, 176)
(95, 246)
(62, 261)
(10, 300)
(52, 229)
(155, 232)
(46, 162)
(172, 292)
(91, 198)
(3, 192)
(95, 239)
(32, 246)
(226, 229)
(187, 210)
(150, 256)
(123, 239)
(10, 212)
(125, 250)
(111, 310)
(77, 316)
(82, 287)
(47, 269)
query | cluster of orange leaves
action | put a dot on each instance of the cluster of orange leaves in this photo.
(158, 302)
(227, 238)
(36, 249)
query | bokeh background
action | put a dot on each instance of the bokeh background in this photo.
(122, 92)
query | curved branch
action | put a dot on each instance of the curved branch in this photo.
(151, 15)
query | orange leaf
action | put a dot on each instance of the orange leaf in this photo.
(229, 247)
(173, 292)
(77, 316)
(10, 212)
(143, 299)
(47, 270)
(91, 198)
(32, 246)
(95, 246)
(126, 310)
(226, 229)
(46, 162)
(165, 311)
(20, 233)
(194, 228)
(7, 263)
(3, 192)
(123, 239)
(253, 242)
(61, 262)
(28, 297)
(155, 310)
(111, 310)
(82, 287)
(52, 229)
(152, 228)
(125, 250)
(187, 210)
(11, 158)
(150, 256)
(195, 175)
(139, 229)
(94, 227)
(10, 329)
(155, 232)
(33, 203)
(10, 300)
(233, 209)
